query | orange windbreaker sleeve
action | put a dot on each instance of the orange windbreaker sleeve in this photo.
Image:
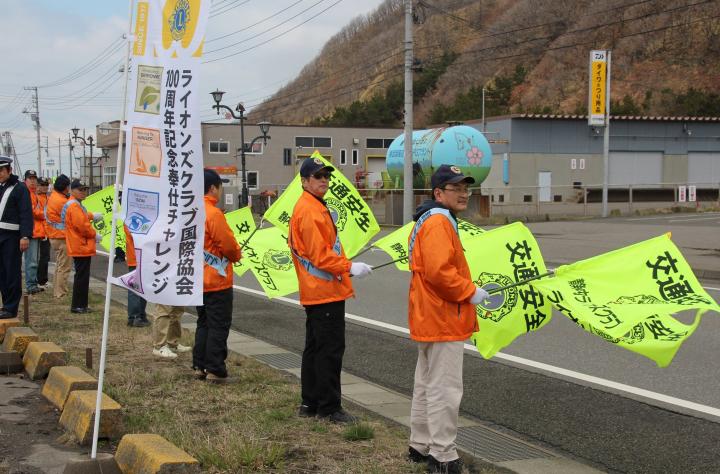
(79, 221)
(439, 268)
(315, 245)
(223, 238)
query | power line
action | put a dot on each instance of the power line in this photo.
(96, 61)
(265, 31)
(229, 6)
(256, 23)
(276, 36)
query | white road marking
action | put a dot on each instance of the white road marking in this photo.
(715, 214)
(534, 364)
(648, 394)
(693, 219)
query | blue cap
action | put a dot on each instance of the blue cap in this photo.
(449, 174)
(5, 161)
(310, 166)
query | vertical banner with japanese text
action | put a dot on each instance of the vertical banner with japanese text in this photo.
(163, 181)
(598, 85)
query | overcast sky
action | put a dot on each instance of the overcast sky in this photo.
(54, 43)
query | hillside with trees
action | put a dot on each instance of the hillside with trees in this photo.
(528, 55)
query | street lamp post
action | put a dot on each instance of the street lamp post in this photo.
(89, 141)
(264, 129)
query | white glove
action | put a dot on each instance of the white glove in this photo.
(97, 217)
(479, 296)
(360, 270)
(98, 238)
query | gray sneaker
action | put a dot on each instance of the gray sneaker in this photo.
(340, 416)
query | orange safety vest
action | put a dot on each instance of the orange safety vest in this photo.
(439, 308)
(56, 201)
(38, 216)
(219, 242)
(79, 233)
(323, 270)
(129, 248)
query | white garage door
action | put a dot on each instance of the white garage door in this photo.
(704, 168)
(627, 167)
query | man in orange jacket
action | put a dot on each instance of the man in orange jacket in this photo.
(323, 274)
(215, 315)
(44, 253)
(56, 233)
(33, 251)
(441, 314)
(80, 239)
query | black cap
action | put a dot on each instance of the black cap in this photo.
(449, 174)
(30, 174)
(212, 178)
(43, 182)
(5, 161)
(310, 166)
(77, 184)
(61, 183)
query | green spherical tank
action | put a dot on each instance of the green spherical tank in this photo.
(462, 146)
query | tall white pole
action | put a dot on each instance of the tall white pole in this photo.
(606, 141)
(408, 198)
(119, 169)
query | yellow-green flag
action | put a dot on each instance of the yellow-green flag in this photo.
(395, 244)
(242, 224)
(629, 296)
(102, 202)
(268, 256)
(498, 258)
(353, 217)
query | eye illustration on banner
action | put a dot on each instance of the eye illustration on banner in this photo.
(138, 223)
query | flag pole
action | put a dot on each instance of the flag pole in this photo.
(252, 233)
(520, 283)
(389, 263)
(119, 170)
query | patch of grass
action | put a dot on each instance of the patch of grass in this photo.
(250, 426)
(359, 432)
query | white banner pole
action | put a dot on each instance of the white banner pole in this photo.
(119, 169)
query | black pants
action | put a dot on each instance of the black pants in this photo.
(213, 328)
(322, 357)
(42, 273)
(81, 283)
(10, 271)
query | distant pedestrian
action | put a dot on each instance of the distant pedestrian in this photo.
(215, 315)
(32, 254)
(441, 316)
(81, 240)
(166, 331)
(16, 228)
(55, 219)
(136, 304)
(44, 254)
(323, 273)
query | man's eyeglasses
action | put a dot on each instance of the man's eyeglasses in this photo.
(465, 191)
(322, 175)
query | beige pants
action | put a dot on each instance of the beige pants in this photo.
(62, 267)
(166, 325)
(436, 399)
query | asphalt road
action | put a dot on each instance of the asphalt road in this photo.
(614, 431)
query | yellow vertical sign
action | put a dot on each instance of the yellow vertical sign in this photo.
(598, 86)
(141, 29)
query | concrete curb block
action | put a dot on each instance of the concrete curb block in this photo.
(78, 416)
(17, 339)
(104, 463)
(151, 453)
(10, 363)
(40, 357)
(64, 380)
(6, 324)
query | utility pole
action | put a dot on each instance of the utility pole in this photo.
(9, 150)
(35, 117)
(70, 155)
(408, 193)
(59, 156)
